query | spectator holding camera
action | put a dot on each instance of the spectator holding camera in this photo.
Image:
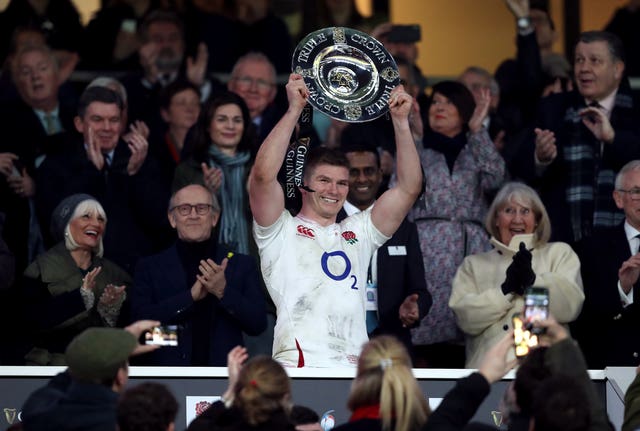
(488, 288)
(553, 391)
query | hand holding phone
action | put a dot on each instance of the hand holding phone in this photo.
(523, 339)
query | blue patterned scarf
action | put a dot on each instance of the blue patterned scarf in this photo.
(232, 194)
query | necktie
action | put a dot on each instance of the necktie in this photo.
(51, 124)
(108, 158)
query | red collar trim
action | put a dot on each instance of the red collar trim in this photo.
(366, 412)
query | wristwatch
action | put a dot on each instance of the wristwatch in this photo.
(524, 23)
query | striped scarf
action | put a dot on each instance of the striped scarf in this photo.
(233, 224)
(590, 188)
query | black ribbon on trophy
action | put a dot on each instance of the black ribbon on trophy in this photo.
(295, 159)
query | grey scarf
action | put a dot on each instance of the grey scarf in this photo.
(233, 224)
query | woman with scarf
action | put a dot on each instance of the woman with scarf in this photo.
(460, 165)
(71, 287)
(219, 158)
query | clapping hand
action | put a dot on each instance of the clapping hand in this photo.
(212, 177)
(546, 149)
(235, 360)
(89, 280)
(409, 311)
(519, 274)
(196, 69)
(481, 111)
(596, 121)
(112, 295)
(94, 152)
(212, 276)
(139, 146)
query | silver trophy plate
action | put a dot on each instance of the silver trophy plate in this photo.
(349, 74)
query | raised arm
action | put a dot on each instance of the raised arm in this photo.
(265, 193)
(394, 204)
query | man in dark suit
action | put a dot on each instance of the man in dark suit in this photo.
(32, 127)
(583, 138)
(199, 284)
(607, 328)
(118, 173)
(397, 295)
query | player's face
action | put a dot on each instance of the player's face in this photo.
(331, 186)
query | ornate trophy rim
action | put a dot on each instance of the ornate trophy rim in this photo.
(349, 74)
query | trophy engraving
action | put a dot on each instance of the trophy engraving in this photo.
(349, 74)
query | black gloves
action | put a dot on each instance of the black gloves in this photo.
(519, 273)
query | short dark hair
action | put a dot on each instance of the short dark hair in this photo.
(177, 86)
(324, 156)
(460, 96)
(361, 147)
(616, 48)
(147, 407)
(530, 375)
(560, 404)
(98, 94)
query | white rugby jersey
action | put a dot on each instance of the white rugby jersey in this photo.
(316, 277)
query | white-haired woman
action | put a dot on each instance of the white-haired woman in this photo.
(488, 287)
(71, 287)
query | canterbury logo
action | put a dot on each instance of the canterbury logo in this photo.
(306, 231)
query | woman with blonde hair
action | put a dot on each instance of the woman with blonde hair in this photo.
(385, 395)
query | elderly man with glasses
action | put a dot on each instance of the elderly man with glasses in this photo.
(254, 79)
(607, 328)
(212, 294)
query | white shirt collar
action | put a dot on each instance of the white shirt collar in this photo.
(608, 102)
(351, 209)
(630, 231)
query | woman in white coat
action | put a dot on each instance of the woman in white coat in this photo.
(488, 287)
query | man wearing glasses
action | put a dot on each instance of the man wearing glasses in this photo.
(199, 284)
(607, 328)
(254, 79)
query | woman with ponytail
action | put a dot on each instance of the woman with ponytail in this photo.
(258, 397)
(384, 395)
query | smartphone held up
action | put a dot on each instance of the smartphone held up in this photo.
(162, 336)
(536, 308)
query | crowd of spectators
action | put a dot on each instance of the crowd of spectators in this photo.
(91, 178)
(129, 198)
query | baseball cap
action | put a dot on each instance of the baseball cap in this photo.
(97, 353)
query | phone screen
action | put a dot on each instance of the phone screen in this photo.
(536, 306)
(523, 339)
(162, 336)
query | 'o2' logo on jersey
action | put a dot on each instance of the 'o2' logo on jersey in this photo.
(324, 261)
